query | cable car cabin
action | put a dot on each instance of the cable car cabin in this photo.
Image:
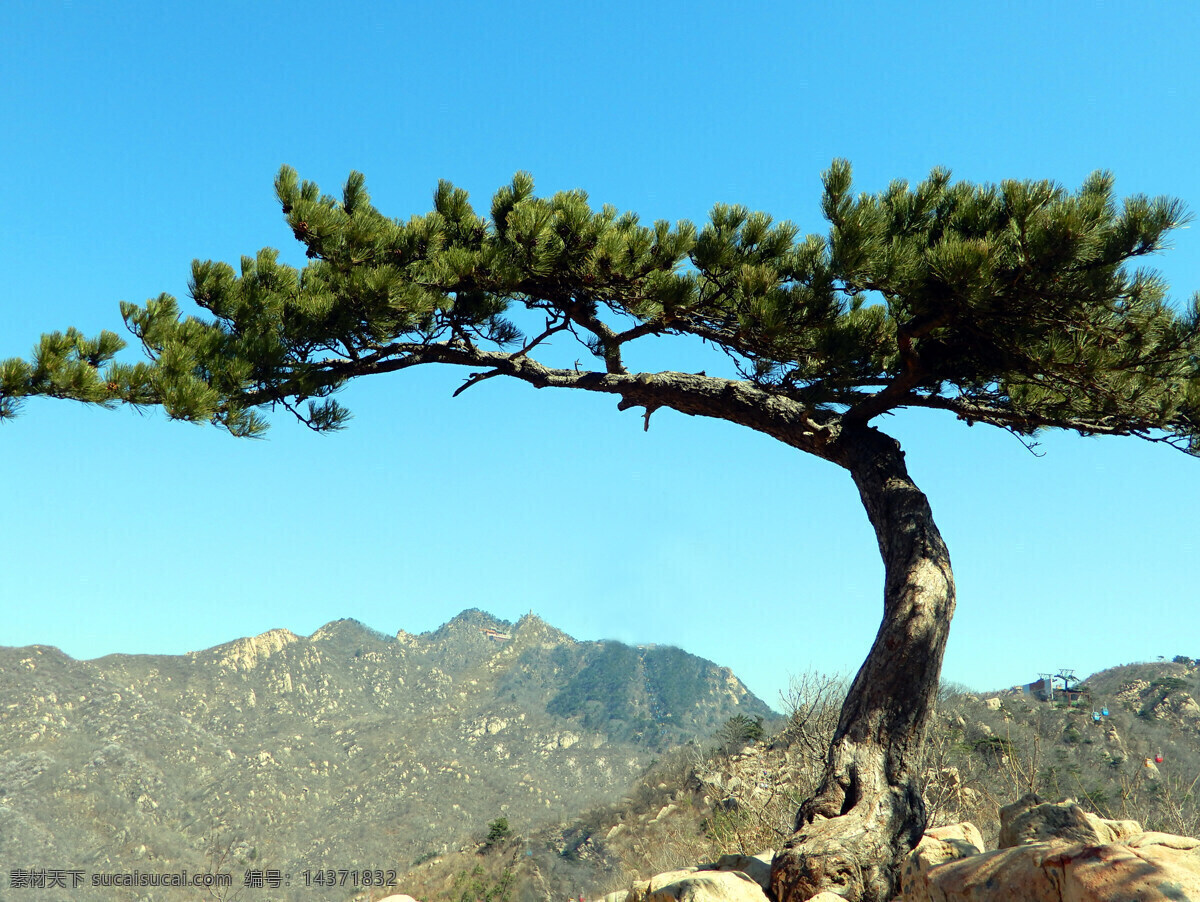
(1104, 711)
(1096, 716)
(1158, 759)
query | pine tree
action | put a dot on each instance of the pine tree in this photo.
(1010, 305)
(738, 732)
(498, 831)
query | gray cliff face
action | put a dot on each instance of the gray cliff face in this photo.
(346, 749)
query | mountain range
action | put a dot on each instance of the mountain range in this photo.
(348, 749)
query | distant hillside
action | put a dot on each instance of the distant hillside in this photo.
(983, 751)
(346, 749)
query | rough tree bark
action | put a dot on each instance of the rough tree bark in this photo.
(868, 811)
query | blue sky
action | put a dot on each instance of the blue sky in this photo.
(139, 136)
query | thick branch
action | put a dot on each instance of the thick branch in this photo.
(789, 421)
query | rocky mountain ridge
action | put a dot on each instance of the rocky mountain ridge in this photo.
(347, 749)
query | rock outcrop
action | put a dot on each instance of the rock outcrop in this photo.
(731, 878)
(242, 655)
(938, 846)
(1060, 871)
(696, 885)
(1054, 853)
(1031, 820)
(756, 867)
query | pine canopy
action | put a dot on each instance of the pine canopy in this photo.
(1014, 305)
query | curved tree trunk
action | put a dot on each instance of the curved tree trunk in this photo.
(852, 835)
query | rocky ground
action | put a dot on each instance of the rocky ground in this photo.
(1048, 852)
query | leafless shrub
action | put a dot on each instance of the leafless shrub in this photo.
(222, 852)
(813, 704)
(761, 822)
